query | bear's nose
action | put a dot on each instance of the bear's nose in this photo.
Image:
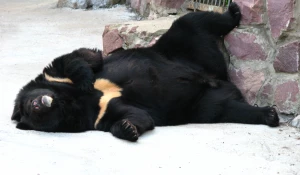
(35, 105)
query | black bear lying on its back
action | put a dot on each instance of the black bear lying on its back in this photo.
(181, 79)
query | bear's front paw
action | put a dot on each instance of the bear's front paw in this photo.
(124, 129)
(129, 130)
(271, 116)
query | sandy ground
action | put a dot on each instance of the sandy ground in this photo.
(33, 32)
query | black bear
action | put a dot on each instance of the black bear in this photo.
(181, 79)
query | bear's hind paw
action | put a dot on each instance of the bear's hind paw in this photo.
(271, 116)
(235, 12)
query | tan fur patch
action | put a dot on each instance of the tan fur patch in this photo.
(57, 79)
(110, 91)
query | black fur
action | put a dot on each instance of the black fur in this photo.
(181, 79)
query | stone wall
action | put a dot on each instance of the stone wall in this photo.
(264, 53)
(264, 50)
(152, 9)
(85, 4)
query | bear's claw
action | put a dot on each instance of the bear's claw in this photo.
(271, 117)
(129, 130)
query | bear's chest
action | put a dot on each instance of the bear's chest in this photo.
(110, 90)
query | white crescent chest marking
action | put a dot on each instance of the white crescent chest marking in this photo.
(110, 91)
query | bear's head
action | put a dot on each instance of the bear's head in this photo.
(43, 106)
(38, 109)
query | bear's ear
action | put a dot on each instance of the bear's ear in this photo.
(16, 114)
(23, 126)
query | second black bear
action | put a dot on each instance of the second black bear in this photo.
(181, 79)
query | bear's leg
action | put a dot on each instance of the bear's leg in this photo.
(233, 111)
(192, 39)
(212, 23)
(240, 112)
(219, 24)
(92, 56)
(226, 104)
(75, 68)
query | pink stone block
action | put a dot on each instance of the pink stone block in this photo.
(244, 46)
(286, 95)
(280, 15)
(135, 4)
(248, 81)
(153, 41)
(111, 41)
(169, 3)
(123, 29)
(267, 91)
(133, 29)
(288, 59)
(252, 11)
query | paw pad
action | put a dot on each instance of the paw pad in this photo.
(272, 118)
(129, 130)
